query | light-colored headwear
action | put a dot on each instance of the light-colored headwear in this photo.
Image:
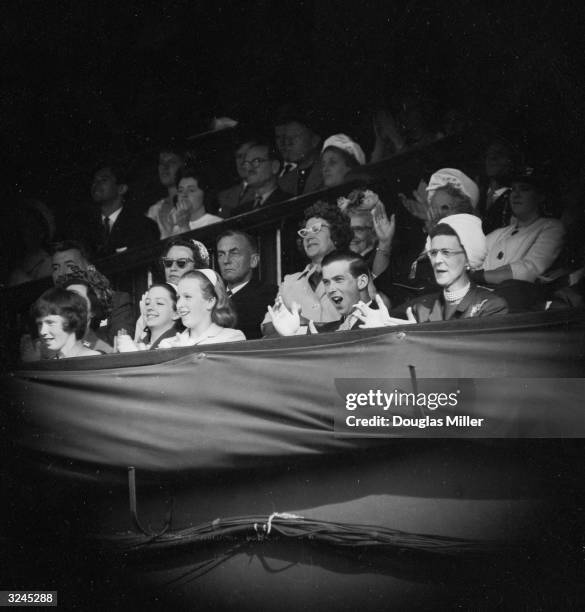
(201, 251)
(209, 274)
(451, 176)
(471, 236)
(345, 143)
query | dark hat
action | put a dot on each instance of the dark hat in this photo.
(537, 175)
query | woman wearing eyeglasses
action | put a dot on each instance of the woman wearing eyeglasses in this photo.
(324, 229)
(455, 246)
(205, 311)
(180, 256)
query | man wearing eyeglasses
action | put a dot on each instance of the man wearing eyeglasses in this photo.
(262, 166)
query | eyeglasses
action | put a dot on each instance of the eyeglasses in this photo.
(254, 163)
(445, 253)
(361, 229)
(181, 262)
(313, 229)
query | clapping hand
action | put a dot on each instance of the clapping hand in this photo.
(419, 205)
(285, 322)
(380, 317)
(385, 228)
(123, 343)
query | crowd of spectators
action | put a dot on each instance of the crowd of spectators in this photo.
(487, 245)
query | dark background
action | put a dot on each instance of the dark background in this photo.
(84, 79)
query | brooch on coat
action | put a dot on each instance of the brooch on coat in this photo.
(476, 308)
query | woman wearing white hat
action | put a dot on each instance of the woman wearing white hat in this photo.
(339, 155)
(455, 246)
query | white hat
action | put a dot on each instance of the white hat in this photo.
(345, 143)
(471, 236)
(451, 176)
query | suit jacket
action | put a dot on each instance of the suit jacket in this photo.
(332, 326)
(131, 229)
(278, 195)
(478, 302)
(289, 182)
(251, 303)
(121, 317)
(230, 199)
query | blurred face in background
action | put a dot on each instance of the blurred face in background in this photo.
(240, 156)
(299, 142)
(191, 196)
(364, 236)
(498, 161)
(168, 165)
(334, 167)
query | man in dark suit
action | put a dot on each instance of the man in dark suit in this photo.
(302, 148)
(68, 257)
(262, 164)
(240, 193)
(237, 256)
(346, 277)
(119, 227)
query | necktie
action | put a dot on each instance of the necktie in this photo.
(348, 322)
(229, 293)
(315, 279)
(242, 191)
(107, 228)
(258, 201)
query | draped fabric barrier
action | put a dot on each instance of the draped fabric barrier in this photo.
(242, 404)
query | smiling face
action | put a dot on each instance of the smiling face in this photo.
(450, 270)
(342, 288)
(52, 332)
(318, 244)
(364, 236)
(160, 312)
(334, 167)
(525, 201)
(192, 306)
(182, 254)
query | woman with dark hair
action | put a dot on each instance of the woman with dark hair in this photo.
(455, 246)
(160, 319)
(205, 311)
(339, 155)
(181, 255)
(61, 317)
(530, 244)
(526, 249)
(192, 195)
(323, 230)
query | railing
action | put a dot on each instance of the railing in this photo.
(275, 226)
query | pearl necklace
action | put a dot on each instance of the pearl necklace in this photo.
(457, 295)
